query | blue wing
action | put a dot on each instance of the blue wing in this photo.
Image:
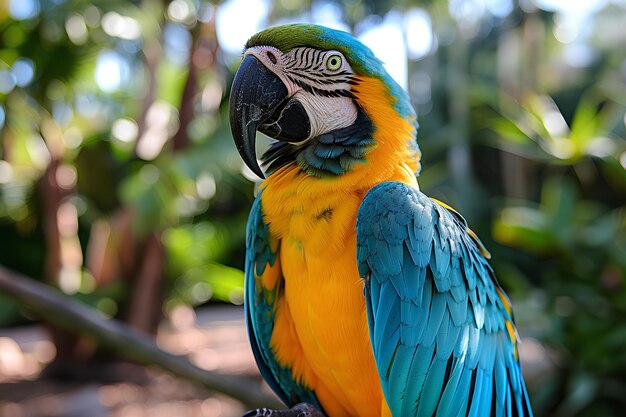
(440, 326)
(263, 290)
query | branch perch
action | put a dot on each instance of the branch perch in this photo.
(78, 318)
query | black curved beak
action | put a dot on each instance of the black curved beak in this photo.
(259, 100)
(255, 96)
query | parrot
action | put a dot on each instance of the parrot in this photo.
(363, 296)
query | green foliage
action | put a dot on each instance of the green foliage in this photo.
(65, 112)
(194, 252)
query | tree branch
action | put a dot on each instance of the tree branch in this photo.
(78, 318)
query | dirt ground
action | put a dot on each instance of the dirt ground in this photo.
(213, 338)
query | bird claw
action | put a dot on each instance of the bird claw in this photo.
(259, 412)
(299, 410)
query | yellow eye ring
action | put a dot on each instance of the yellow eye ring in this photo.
(334, 62)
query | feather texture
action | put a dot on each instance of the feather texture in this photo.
(427, 275)
(261, 296)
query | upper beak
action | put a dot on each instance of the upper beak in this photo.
(255, 95)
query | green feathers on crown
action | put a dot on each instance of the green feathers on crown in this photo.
(287, 37)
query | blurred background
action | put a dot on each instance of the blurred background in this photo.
(120, 186)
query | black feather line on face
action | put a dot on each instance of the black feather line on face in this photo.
(327, 80)
(321, 92)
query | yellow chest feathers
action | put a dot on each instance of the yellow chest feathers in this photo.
(302, 215)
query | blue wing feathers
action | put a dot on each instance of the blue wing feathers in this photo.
(457, 309)
(387, 303)
(437, 314)
(399, 374)
(449, 401)
(447, 338)
(473, 347)
(415, 381)
(433, 386)
(413, 331)
(437, 321)
(411, 274)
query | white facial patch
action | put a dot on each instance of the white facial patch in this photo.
(327, 113)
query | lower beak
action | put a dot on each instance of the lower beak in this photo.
(255, 96)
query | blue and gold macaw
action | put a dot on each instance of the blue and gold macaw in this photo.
(364, 297)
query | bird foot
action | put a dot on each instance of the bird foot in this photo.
(299, 410)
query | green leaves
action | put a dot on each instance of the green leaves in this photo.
(194, 252)
(542, 123)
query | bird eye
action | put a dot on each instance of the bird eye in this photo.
(333, 63)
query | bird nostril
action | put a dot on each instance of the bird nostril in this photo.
(271, 57)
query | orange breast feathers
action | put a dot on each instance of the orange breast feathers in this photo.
(320, 328)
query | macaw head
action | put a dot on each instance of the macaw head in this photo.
(324, 97)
